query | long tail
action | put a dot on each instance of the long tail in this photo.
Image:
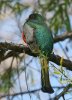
(46, 86)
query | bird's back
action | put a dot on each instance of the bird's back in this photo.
(44, 39)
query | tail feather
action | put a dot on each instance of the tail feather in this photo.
(46, 86)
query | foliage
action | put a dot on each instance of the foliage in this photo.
(14, 5)
(6, 80)
(60, 18)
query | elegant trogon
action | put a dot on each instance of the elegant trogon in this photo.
(41, 41)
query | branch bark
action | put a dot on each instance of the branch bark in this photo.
(63, 37)
(15, 49)
(65, 63)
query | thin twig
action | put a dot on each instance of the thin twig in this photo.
(62, 37)
(26, 92)
(63, 92)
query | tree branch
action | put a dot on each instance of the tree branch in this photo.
(16, 49)
(65, 63)
(63, 92)
(62, 37)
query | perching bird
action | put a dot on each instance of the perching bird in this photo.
(41, 41)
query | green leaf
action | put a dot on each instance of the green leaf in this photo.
(56, 72)
(67, 22)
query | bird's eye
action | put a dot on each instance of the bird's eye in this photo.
(32, 17)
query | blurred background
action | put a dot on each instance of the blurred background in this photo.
(20, 75)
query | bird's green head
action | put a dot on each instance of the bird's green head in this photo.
(35, 20)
